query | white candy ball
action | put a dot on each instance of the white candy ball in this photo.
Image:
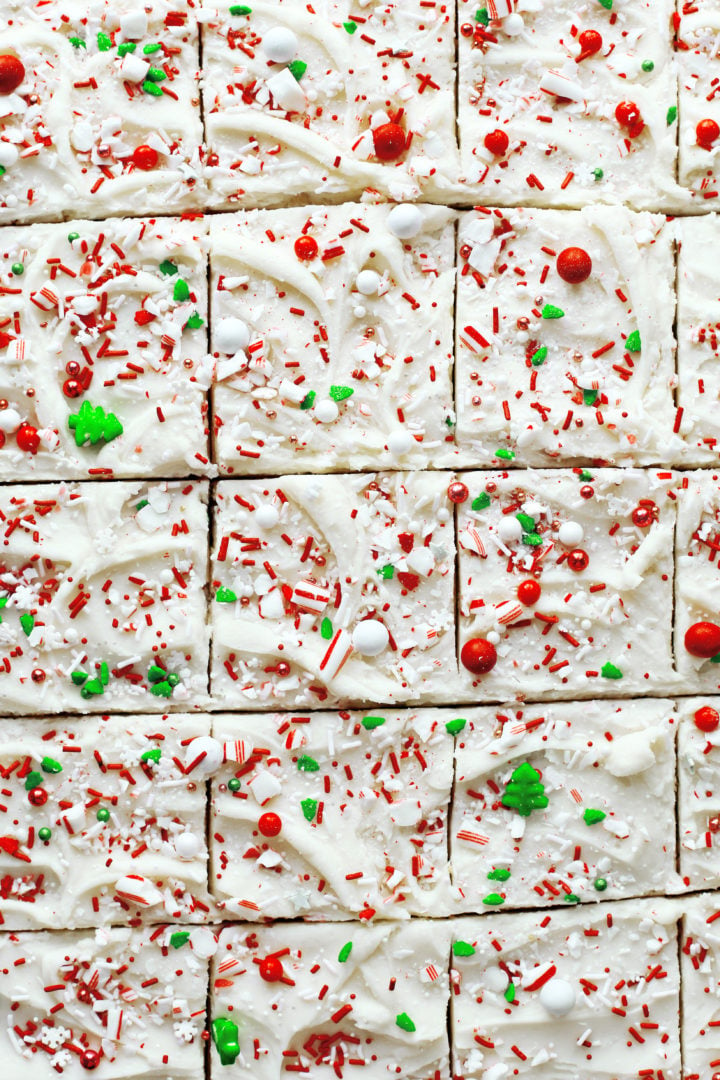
(370, 637)
(514, 24)
(8, 155)
(571, 533)
(368, 282)
(399, 442)
(326, 411)
(280, 45)
(9, 420)
(405, 221)
(231, 335)
(266, 516)
(509, 529)
(214, 754)
(496, 980)
(203, 942)
(558, 997)
(187, 845)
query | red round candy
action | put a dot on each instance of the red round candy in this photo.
(457, 492)
(271, 970)
(389, 142)
(590, 42)
(496, 142)
(269, 824)
(27, 438)
(643, 516)
(529, 592)
(628, 114)
(306, 248)
(12, 73)
(37, 675)
(574, 265)
(72, 388)
(144, 157)
(38, 796)
(707, 132)
(282, 669)
(578, 560)
(478, 656)
(90, 1059)
(707, 718)
(703, 639)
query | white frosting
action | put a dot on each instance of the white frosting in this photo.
(128, 560)
(328, 778)
(126, 995)
(303, 585)
(308, 331)
(580, 401)
(593, 967)
(697, 586)
(584, 758)
(391, 972)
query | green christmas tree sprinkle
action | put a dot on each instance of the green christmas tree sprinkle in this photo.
(524, 791)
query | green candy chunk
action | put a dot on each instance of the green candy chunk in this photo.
(524, 792)
(225, 595)
(593, 817)
(404, 1022)
(528, 523)
(372, 722)
(585, 476)
(454, 727)
(179, 938)
(339, 393)
(482, 16)
(493, 899)
(345, 952)
(607, 4)
(225, 1037)
(552, 312)
(156, 673)
(532, 539)
(152, 755)
(482, 502)
(161, 689)
(509, 994)
(297, 69)
(173, 679)
(609, 671)
(539, 357)
(350, 27)
(499, 875)
(309, 808)
(79, 677)
(181, 291)
(590, 397)
(307, 764)
(463, 948)
(194, 322)
(92, 688)
(671, 115)
(168, 268)
(152, 88)
(506, 455)
(326, 629)
(27, 622)
(598, 174)
(571, 898)
(632, 342)
(33, 780)
(50, 765)
(104, 42)
(77, 43)
(386, 572)
(309, 400)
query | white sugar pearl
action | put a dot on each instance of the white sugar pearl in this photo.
(326, 411)
(8, 155)
(493, 637)
(399, 442)
(558, 997)
(213, 750)
(509, 529)
(405, 221)
(571, 533)
(368, 282)
(187, 845)
(280, 45)
(370, 637)
(496, 979)
(231, 335)
(203, 942)
(266, 516)
(514, 24)
(134, 24)
(9, 420)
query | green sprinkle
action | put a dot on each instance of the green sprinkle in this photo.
(297, 69)
(600, 884)
(571, 898)
(27, 622)
(339, 393)
(493, 899)
(127, 47)
(79, 677)
(593, 817)
(173, 679)
(715, 659)
(539, 357)
(372, 722)
(50, 765)
(527, 522)
(463, 948)
(509, 994)
(386, 572)
(532, 539)
(152, 755)
(104, 673)
(590, 397)
(240, 9)
(77, 43)
(345, 952)
(92, 688)
(225, 1036)
(143, 502)
(598, 174)
(481, 16)
(92, 424)
(309, 400)
(309, 808)
(152, 88)
(18, 269)
(326, 629)
(103, 814)
(225, 595)
(156, 75)
(552, 312)
(179, 938)
(609, 671)
(632, 342)
(499, 874)
(104, 42)
(506, 455)
(524, 792)
(454, 727)
(307, 764)
(3, 601)
(234, 784)
(167, 267)
(161, 689)
(585, 476)
(647, 65)
(152, 47)
(3, 170)
(607, 4)
(350, 26)
(404, 1022)
(181, 291)
(156, 673)
(194, 322)
(33, 780)
(482, 502)
(45, 833)
(671, 116)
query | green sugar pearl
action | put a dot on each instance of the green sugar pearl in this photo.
(17, 269)
(600, 884)
(598, 174)
(73, 236)
(233, 784)
(103, 814)
(647, 65)
(45, 833)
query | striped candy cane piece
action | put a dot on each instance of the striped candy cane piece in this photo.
(310, 597)
(338, 653)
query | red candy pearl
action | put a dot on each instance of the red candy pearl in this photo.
(27, 438)
(707, 718)
(478, 656)
(306, 248)
(282, 669)
(496, 142)
(144, 157)
(574, 265)
(72, 388)
(628, 114)
(90, 1059)
(38, 675)
(703, 639)
(578, 560)
(590, 42)
(389, 142)
(529, 592)
(269, 824)
(12, 73)
(38, 796)
(642, 516)
(457, 492)
(271, 970)
(707, 132)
